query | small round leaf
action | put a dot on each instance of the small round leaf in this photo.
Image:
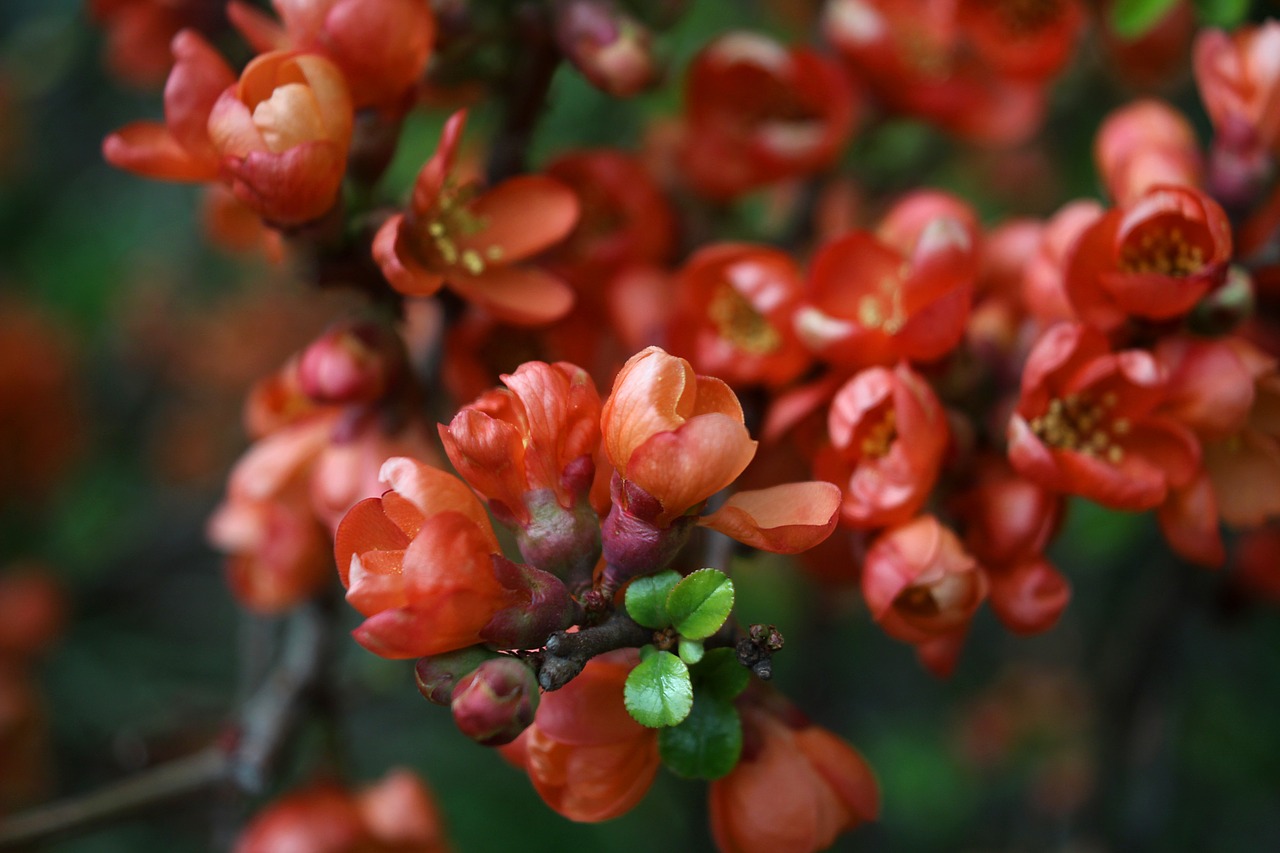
(700, 604)
(646, 599)
(658, 691)
(707, 744)
(720, 674)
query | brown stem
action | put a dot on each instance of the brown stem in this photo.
(566, 654)
(265, 724)
(525, 91)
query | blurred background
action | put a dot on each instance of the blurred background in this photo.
(1144, 721)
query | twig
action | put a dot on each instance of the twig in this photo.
(264, 726)
(567, 654)
(524, 93)
(169, 781)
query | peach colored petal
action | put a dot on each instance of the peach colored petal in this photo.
(434, 491)
(365, 528)
(648, 396)
(376, 582)
(525, 296)
(148, 149)
(432, 176)
(522, 216)
(784, 519)
(295, 186)
(685, 467)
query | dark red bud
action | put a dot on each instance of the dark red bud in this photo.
(351, 363)
(493, 705)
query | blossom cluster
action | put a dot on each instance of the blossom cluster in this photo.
(929, 388)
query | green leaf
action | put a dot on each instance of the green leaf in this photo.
(1132, 18)
(720, 675)
(646, 600)
(691, 651)
(700, 603)
(707, 744)
(658, 691)
(1222, 13)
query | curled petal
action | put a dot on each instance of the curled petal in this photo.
(783, 519)
(433, 491)
(365, 528)
(1029, 597)
(687, 466)
(1189, 521)
(294, 186)
(403, 272)
(148, 149)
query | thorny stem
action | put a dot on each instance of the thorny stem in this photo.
(264, 726)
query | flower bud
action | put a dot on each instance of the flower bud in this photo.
(612, 49)
(351, 363)
(497, 702)
(437, 675)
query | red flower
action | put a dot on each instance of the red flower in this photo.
(472, 239)
(902, 293)
(585, 755)
(180, 148)
(1044, 282)
(282, 134)
(797, 788)
(888, 433)
(734, 315)
(1087, 423)
(920, 584)
(382, 46)
(758, 112)
(1155, 258)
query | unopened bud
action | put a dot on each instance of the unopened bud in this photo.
(493, 705)
(612, 49)
(352, 363)
(439, 674)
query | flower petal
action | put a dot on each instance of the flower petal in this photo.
(521, 217)
(784, 519)
(525, 296)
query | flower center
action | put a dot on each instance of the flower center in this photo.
(883, 310)
(1077, 423)
(453, 221)
(1162, 252)
(738, 321)
(881, 436)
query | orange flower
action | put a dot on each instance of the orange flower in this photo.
(180, 148)
(382, 46)
(418, 563)
(678, 436)
(282, 133)
(920, 584)
(538, 434)
(901, 293)
(1087, 423)
(888, 432)
(396, 814)
(734, 314)
(1154, 257)
(472, 239)
(797, 787)
(587, 758)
